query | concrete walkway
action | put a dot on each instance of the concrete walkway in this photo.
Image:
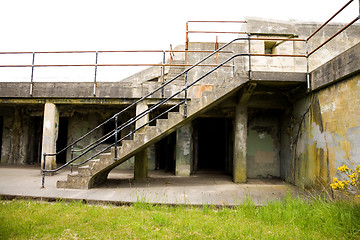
(163, 188)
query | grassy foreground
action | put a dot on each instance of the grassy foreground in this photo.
(290, 219)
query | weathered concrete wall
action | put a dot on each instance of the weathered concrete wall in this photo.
(222, 73)
(17, 135)
(342, 42)
(327, 133)
(79, 124)
(263, 144)
(343, 65)
(184, 153)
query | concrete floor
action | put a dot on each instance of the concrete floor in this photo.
(162, 188)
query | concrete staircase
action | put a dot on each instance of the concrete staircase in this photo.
(97, 170)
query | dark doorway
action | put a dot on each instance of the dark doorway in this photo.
(36, 139)
(165, 153)
(1, 133)
(61, 142)
(212, 140)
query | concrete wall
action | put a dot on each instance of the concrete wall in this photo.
(302, 30)
(327, 132)
(263, 144)
(17, 135)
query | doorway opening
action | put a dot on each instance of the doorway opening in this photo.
(36, 139)
(213, 145)
(165, 153)
(61, 142)
(1, 133)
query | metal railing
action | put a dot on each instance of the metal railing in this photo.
(182, 94)
(118, 128)
(95, 65)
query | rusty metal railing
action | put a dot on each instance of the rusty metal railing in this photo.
(308, 54)
(184, 90)
(162, 65)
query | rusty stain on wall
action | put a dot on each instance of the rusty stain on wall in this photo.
(329, 134)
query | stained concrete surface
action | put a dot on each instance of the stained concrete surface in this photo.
(161, 188)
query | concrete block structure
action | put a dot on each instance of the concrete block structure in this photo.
(259, 107)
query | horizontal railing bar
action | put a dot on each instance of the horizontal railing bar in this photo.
(278, 39)
(331, 18)
(277, 55)
(117, 51)
(337, 33)
(216, 32)
(218, 21)
(114, 65)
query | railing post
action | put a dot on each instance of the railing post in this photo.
(249, 51)
(43, 172)
(95, 76)
(116, 137)
(307, 66)
(32, 74)
(185, 103)
(71, 158)
(233, 67)
(186, 43)
(163, 75)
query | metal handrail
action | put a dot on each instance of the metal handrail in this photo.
(125, 109)
(137, 117)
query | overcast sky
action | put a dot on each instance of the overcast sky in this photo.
(47, 25)
(33, 25)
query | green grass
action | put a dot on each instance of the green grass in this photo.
(289, 219)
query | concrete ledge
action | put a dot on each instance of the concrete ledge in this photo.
(278, 76)
(340, 67)
(124, 90)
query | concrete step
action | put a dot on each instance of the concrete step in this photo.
(93, 162)
(75, 181)
(139, 136)
(162, 123)
(62, 184)
(84, 171)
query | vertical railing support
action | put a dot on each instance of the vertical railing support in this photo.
(249, 51)
(307, 66)
(32, 74)
(116, 136)
(95, 76)
(233, 67)
(186, 43)
(185, 103)
(163, 74)
(43, 172)
(71, 158)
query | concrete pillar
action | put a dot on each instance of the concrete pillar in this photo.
(141, 107)
(141, 158)
(240, 138)
(184, 150)
(50, 135)
(141, 166)
(151, 157)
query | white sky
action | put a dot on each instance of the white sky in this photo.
(48, 25)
